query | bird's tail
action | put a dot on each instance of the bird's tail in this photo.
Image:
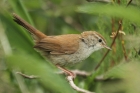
(37, 35)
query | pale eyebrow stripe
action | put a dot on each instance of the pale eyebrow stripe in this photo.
(101, 37)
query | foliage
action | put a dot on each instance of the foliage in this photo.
(120, 68)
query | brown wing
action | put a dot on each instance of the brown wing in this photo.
(63, 44)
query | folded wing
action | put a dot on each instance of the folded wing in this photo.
(63, 44)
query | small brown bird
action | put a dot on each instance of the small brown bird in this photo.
(66, 49)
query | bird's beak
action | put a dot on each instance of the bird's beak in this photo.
(107, 47)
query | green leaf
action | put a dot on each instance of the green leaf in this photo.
(20, 9)
(130, 13)
(125, 77)
(46, 73)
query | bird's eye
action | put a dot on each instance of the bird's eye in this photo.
(100, 40)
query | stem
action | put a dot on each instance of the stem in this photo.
(120, 25)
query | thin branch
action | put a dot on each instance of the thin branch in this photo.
(70, 80)
(124, 50)
(106, 1)
(121, 37)
(27, 76)
(100, 78)
(119, 1)
(23, 88)
(77, 72)
(120, 23)
(113, 24)
(113, 35)
(81, 73)
(129, 3)
(137, 52)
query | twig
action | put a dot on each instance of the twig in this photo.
(22, 86)
(70, 80)
(113, 24)
(124, 50)
(77, 72)
(100, 78)
(106, 1)
(137, 52)
(122, 41)
(120, 23)
(27, 76)
(81, 73)
(129, 3)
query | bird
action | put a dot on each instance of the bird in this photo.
(64, 50)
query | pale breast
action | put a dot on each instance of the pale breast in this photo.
(81, 54)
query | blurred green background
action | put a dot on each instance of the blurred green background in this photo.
(120, 70)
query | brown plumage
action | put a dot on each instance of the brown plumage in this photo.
(64, 49)
(37, 35)
(62, 44)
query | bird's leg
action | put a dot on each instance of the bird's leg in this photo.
(69, 73)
